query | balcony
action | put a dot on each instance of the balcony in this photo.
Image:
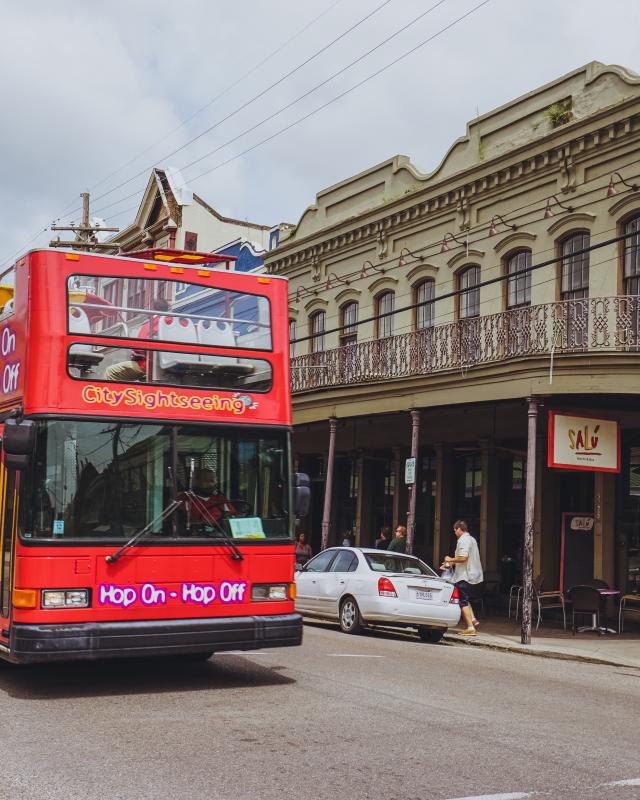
(590, 325)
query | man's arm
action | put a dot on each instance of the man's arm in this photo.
(456, 559)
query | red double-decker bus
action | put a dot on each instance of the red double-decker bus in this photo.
(147, 505)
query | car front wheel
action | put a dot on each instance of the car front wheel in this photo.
(430, 635)
(350, 620)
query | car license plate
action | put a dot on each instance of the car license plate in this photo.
(424, 595)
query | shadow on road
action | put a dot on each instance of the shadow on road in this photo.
(377, 632)
(136, 676)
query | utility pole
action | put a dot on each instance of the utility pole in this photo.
(86, 234)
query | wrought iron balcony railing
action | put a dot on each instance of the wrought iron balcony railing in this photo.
(598, 324)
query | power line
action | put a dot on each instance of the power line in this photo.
(458, 292)
(253, 99)
(279, 49)
(221, 94)
(312, 113)
(409, 327)
(356, 274)
(287, 106)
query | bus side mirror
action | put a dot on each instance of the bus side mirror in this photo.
(302, 497)
(18, 442)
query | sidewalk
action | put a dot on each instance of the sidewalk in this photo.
(551, 641)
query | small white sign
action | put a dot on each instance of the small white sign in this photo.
(410, 470)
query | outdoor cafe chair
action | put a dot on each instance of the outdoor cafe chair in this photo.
(586, 600)
(625, 600)
(549, 600)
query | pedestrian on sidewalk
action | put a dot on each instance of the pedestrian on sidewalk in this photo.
(303, 550)
(399, 543)
(382, 542)
(467, 573)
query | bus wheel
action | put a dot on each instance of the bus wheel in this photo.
(430, 635)
(350, 619)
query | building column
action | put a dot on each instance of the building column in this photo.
(396, 466)
(413, 488)
(538, 525)
(328, 486)
(360, 472)
(489, 508)
(443, 520)
(529, 515)
(604, 538)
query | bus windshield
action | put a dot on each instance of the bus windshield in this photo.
(107, 480)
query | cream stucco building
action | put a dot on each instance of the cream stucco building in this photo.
(412, 292)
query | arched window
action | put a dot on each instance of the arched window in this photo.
(518, 285)
(317, 325)
(469, 297)
(292, 337)
(348, 323)
(574, 282)
(632, 256)
(384, 305)
(574, 287)
(423, 297)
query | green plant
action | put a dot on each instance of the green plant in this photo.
(559, 113)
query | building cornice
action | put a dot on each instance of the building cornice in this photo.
(462, 188)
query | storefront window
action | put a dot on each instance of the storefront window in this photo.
(518, 474)
(473, 477)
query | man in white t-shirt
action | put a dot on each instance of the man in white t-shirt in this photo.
(467, 573)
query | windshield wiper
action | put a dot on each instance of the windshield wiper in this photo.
(166, 512)
(208, 517)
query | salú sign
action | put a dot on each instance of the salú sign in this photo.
(578, 441)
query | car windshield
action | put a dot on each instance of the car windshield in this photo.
(388, 562)
(108, 480)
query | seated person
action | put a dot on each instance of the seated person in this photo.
(208, 497)
(136, 368)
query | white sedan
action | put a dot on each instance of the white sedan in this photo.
(361, 587)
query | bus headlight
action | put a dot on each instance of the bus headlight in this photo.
(269, 591)
(65, 598)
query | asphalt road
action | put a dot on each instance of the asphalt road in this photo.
(374, 716)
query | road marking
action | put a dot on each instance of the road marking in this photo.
(351, 655)
(629, 782)
(507, 796)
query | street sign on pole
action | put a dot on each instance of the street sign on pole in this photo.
(410, 471)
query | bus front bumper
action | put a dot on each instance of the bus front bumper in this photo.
(93, 640)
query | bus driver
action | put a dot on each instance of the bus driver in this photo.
(209, 505)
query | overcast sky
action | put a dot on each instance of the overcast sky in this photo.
(87, 89)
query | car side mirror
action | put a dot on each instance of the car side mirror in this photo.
(302, 498)
(18, 443)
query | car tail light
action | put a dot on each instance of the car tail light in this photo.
(455, 596)
(386, 588)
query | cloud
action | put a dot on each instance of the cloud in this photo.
(85, 89)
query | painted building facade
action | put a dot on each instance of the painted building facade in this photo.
(461, 304)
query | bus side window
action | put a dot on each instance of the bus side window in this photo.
(7, 289)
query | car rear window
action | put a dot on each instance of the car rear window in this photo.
(385, 562)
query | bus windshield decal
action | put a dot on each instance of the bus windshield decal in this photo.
(149, 594)
(168, 311)
(156, 398)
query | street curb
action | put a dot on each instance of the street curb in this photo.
(523, 650)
